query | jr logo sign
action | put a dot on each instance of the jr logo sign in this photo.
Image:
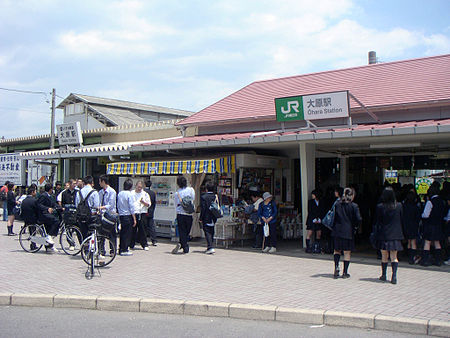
(289, 108)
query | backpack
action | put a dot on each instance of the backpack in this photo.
(3, 195)
(215, 209)
(187, 203)
(84, 213)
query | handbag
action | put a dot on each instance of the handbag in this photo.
(266, 230)
(328, 220)
(215, 208)
(109, 222)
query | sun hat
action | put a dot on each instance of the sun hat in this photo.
(267, 195)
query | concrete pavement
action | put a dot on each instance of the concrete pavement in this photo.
(237, 277)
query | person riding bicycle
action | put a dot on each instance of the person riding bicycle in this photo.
(30, 211)
(47, 205)
(93, 201)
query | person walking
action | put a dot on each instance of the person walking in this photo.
(347, 219)
(151, 213)
(388, 232)
(3, 195)
(411, 220)
(316, 211)
(126, 210)
(267, 212)
(433, 219)
(141, 205)
(10, 204)
(184, 216)
(206, 217)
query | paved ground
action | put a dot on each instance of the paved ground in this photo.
(233, 276)
(20, 321)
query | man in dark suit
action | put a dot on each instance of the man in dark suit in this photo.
(151, 212)
(30, 211)
(47, 204)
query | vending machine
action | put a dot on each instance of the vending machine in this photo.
(165, 216)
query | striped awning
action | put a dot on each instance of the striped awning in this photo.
(209, 166)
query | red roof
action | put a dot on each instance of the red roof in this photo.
(247, 135)
(384, 84)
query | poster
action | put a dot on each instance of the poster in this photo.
(11, 168)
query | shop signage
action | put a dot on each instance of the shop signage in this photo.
(69, 133)
(391, 176)
(312, 107)
(423, 184)
(11, 169)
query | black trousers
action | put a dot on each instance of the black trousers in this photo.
(259, 234)
(209, 235)
(126, 228)
(272, 239)
(51, 224)
(139, 232)
(151, 228)
(184, 228)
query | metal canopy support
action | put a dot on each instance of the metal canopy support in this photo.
(375, 117)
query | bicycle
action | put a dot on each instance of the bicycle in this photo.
(70, 236)
(32, 237)
(93, 250)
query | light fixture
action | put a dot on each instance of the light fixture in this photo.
(395, 145)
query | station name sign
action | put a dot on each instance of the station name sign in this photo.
(312, 107)
(69, 133)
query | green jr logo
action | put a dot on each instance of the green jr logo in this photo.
(289, 108)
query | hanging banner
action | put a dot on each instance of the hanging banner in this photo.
(209, 166)
(11, 169)
(423, 184)
(391, 176)
(312, 107)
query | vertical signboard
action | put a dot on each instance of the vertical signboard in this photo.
(11, 168)
(69, 133)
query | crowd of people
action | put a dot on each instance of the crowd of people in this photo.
(400, 218)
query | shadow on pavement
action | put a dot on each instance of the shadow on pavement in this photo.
(324, 275)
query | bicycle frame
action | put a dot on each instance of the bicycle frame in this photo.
(39, 240)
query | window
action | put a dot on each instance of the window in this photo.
(73, 109)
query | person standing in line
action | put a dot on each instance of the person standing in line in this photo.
(206, 217)
(10, 204)
(4, 194)
(108, 196)
(267, 212)
(151, 213)
(47, 206)
(388, 232)
(126, 209)
(347, 218)
(141, 204)
(256, 220)
(93, 201)
(184, 218)
(411, 219)
(433, 219)
(316, 212)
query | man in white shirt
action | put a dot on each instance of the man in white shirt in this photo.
(93, 200)
(141, 204)
(184, 218)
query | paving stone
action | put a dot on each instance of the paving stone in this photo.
(257, 312)
(353, 319)
(208, 309)
(118, 304)
(80, 302)
(438, 328)
(27, 299)
(399, 324)
(175, 307)
(5, 298)
(301, 316)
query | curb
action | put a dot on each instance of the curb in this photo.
(241, 311)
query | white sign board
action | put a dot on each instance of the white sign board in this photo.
(69, 133)
(11, 169)
(326, 106)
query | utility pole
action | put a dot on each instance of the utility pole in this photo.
(52, 132)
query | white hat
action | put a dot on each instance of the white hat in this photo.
(267, 195)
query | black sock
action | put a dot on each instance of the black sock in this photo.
(337, 257)
(394, 266)
(346, 264)
(384, 268)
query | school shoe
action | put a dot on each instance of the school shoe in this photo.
(154, 244)
(317, 249)
(71, 248)
(273, 250)
(176, 249)
(126, 253)
(51, 249)
(49, 239)
(447, 262)
(146, 248)
(210, 251)
(336, 272)
(266, 249)
(345, 275)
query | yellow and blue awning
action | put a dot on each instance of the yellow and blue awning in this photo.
(209, 166)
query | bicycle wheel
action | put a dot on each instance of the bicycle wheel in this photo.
(71, 240)
(105, 255)
(26, 234)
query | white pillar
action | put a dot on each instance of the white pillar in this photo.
(307, 179)
(343, 171)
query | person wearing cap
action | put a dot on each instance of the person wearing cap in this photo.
(267, 212)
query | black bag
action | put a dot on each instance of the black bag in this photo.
(84, 213)
(109, 222)
(328, 220)
(215, 208)
(187, 203)
(3, 195)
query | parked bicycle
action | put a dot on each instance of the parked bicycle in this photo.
(97, 250)
(70, 236)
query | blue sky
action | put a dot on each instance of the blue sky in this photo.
(189, 54)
